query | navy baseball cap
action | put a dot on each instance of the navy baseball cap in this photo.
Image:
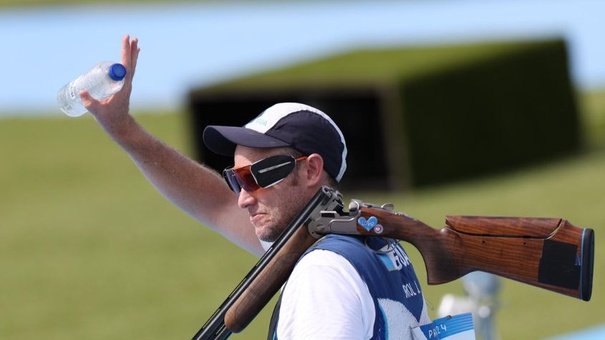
(295, 125)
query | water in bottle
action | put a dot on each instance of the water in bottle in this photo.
(102, 81)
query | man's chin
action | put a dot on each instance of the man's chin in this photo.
(265, 235)
(266, 238)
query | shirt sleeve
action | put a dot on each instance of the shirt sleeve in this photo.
(325, 298)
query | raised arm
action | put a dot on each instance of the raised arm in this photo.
(195, 188)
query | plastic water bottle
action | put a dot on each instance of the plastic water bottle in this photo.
(102, 81)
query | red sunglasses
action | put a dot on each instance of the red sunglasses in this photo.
(260, 174)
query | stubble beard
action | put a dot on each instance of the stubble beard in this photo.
(282, 216)
(269, 234)
(280, 220)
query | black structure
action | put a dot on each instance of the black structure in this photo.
(419, 116)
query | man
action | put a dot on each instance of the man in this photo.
(344, 287)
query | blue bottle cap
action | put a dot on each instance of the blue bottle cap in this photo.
(117, 72)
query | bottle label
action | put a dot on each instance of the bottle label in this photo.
(72, 90)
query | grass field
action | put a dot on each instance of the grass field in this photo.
(90, 251)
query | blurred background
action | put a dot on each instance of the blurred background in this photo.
(449, 107)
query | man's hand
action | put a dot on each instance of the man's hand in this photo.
(112, 112)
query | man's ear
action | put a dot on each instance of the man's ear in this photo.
(315, 168)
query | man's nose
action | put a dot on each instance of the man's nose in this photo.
(244, 199)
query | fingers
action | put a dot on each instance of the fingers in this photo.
(134, 55)
(130, 54)
(88, 101)
(126, 60)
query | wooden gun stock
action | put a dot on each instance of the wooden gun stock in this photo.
(549, 253)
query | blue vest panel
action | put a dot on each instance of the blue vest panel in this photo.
(385, 267)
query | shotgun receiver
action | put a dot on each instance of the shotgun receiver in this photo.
(549, 253)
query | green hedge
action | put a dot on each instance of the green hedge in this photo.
(491, 115)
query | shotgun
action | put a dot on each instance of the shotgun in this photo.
(549, 253)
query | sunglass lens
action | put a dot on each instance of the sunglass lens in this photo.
(271, 170)
(231, 180)
(241, 178)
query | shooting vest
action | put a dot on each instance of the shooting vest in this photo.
(386, 269)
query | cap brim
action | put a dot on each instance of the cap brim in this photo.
(224, 139)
